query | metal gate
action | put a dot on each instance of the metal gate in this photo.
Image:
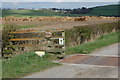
(33, 40)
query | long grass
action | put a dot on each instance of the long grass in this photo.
(25, 64)
(87, 48)
(30, 26)
(0, 69)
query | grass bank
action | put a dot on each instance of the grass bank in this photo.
(88, 47)
(0, 69)
(31, 26)
(25, 64)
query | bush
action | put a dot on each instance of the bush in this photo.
(5, 38)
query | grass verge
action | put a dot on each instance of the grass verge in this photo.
(30, 26)
(88, 47)
(25, 64)
(0, 69)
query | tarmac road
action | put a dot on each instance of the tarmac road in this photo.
(73, 70)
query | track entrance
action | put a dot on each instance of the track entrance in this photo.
(92, 60)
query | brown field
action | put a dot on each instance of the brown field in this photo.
(57, 22)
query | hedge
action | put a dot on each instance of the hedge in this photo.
(82, 34)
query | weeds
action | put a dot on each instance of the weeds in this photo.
(24, 64)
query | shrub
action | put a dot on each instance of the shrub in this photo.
(5, 38)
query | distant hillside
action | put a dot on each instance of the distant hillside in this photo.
(109, 10)
(21, 13)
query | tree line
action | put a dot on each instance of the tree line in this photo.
(82, 10)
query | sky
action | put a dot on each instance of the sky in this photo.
(55, 3)
(59, 0)
(67, 5)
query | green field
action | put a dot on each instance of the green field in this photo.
(34, 13)
(109, 10)
(88, 47)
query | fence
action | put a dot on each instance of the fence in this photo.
(34, 40)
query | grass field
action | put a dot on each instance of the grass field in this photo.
(34, 13)
(25, 64)
(109, 10)
(88, 47)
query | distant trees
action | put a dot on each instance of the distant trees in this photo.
(82, 10)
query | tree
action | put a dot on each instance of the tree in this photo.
(83, 8)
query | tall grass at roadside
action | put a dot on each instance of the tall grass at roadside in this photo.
(0, 68)
(30, 26)
(81, 34)
(24, 64)
(88, 47)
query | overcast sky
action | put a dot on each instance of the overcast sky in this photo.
(60, 0)
(54, 4)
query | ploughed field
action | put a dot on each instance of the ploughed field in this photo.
(56, 22)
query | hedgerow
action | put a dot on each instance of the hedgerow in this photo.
(82, 34)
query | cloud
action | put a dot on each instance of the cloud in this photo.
(54, 4)
(59, 0)
(67, 1)
(15, 3)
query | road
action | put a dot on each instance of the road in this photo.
(101, 64)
